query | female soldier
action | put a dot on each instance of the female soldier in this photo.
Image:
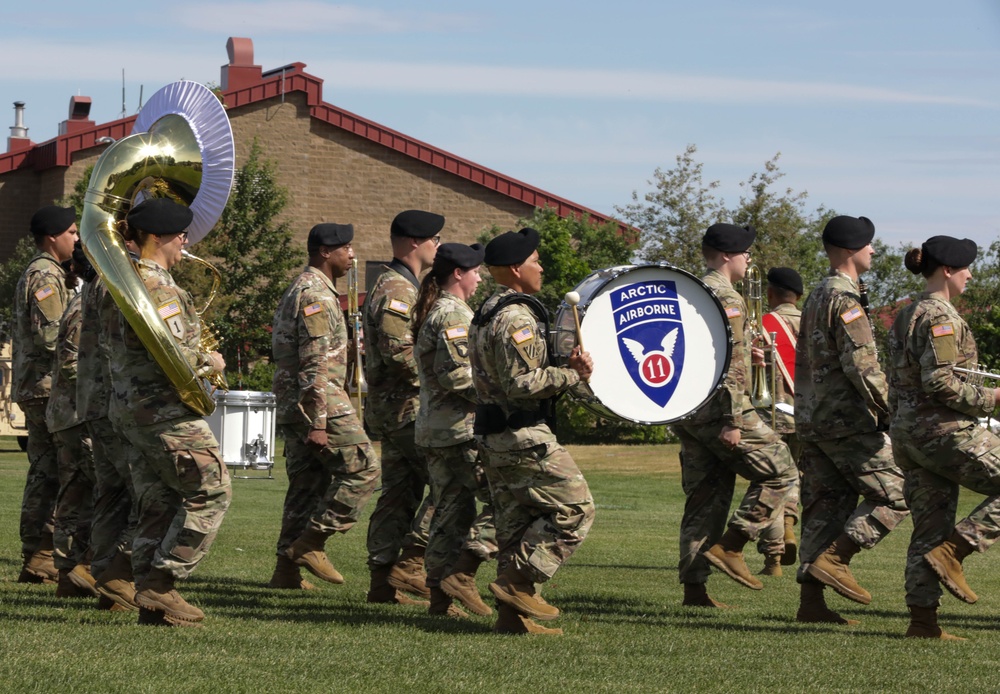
(459, 541)
(936, 437)
(180, 480)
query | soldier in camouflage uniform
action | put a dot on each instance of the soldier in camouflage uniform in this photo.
(842, 413)
(39, 302)
(181, 482)
(459, 539)
(399, 525)
(115, 510)
(936, 436)
(543, 505)
(75, 502)
(784, 289)
(725, 438)
(332, 467)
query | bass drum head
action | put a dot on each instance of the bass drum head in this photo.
(659, 338)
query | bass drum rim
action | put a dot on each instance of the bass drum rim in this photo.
(592, 403)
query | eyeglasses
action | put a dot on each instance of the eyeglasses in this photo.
(746, 254)
(436, 240)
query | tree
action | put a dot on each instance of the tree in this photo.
(10, 273)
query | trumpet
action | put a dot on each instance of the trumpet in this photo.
(356, 383)
(760, 394)
(975, 376)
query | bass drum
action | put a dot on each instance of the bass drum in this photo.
(659, 338)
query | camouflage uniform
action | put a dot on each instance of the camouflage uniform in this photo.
(937, 439)
(115, 513)
(400, 520)
(39, 302)
(75, 503)
(769, 541)
(180, 480)
(444, 432)
(841, 413)
(709, 468)
(543, 505)
(328, 488)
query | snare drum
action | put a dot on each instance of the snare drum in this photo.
(659, 338)
(243, 423)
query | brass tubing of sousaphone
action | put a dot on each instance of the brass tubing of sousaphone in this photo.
(163, 161)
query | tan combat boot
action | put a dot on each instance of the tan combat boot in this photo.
(696, 595)
(288, 576)
(832, 569)
(510, 621)
(39, 567)
(924, 625)
(157, 594)
(115, 584)
(514, 589)
(791, 544)
(772, 565)
(461, 583)
(66, 587)
(380, 591)
(83, 580)
(813, 609)
(441, 604)
(946, 560)
(408, 572)
(308, 553)
(727, 556)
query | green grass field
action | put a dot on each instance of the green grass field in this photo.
(625, 628)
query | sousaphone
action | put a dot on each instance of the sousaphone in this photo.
(181, 147)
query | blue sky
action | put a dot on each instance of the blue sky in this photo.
(886, 109)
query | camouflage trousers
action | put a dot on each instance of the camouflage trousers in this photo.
(708, 477)
(328, 488)
(457, 480)
(42, 485)
(543, 508)
(771, 540)
(934, 471)
(75, 502)
(183, 490)
(402, 515)
(834, 474)
(115, 512)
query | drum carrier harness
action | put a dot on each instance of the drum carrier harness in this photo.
(490, 419)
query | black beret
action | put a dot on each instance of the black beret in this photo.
(847, 232)
(52, 220)
(729, 238)
(949, 251)
(330, 235)
(160, 217)
(785, 278)
(460, 255)
(417, 224)
(512, 247)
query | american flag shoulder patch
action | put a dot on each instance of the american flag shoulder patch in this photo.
(942, 330)
(522, 335)
(169, 309)
(733, 312)
(456, 332)
(44, 293)
(312, 309)
(851, 315)
(398, 306)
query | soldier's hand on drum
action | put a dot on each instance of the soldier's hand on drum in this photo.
(581, 362)
(317, 438)
(730, 436)
(218, 363)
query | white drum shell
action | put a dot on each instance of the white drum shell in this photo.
(706, 334)
(244, 425)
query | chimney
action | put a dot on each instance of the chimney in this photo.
(240, 72)
(18, 139)
(79, 110)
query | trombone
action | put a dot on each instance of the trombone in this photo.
(356, 380)
(760, 394)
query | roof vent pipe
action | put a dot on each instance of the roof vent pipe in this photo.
(19, 130)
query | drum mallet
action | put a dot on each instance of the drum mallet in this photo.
(573, 298)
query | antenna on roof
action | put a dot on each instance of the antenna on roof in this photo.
(140, 99)
(123, 93)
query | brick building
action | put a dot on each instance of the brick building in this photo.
(337, 166)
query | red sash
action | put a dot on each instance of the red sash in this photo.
(784, 348)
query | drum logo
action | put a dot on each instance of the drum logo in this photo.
(650, 333)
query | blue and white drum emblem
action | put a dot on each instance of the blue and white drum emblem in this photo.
(658, 337)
